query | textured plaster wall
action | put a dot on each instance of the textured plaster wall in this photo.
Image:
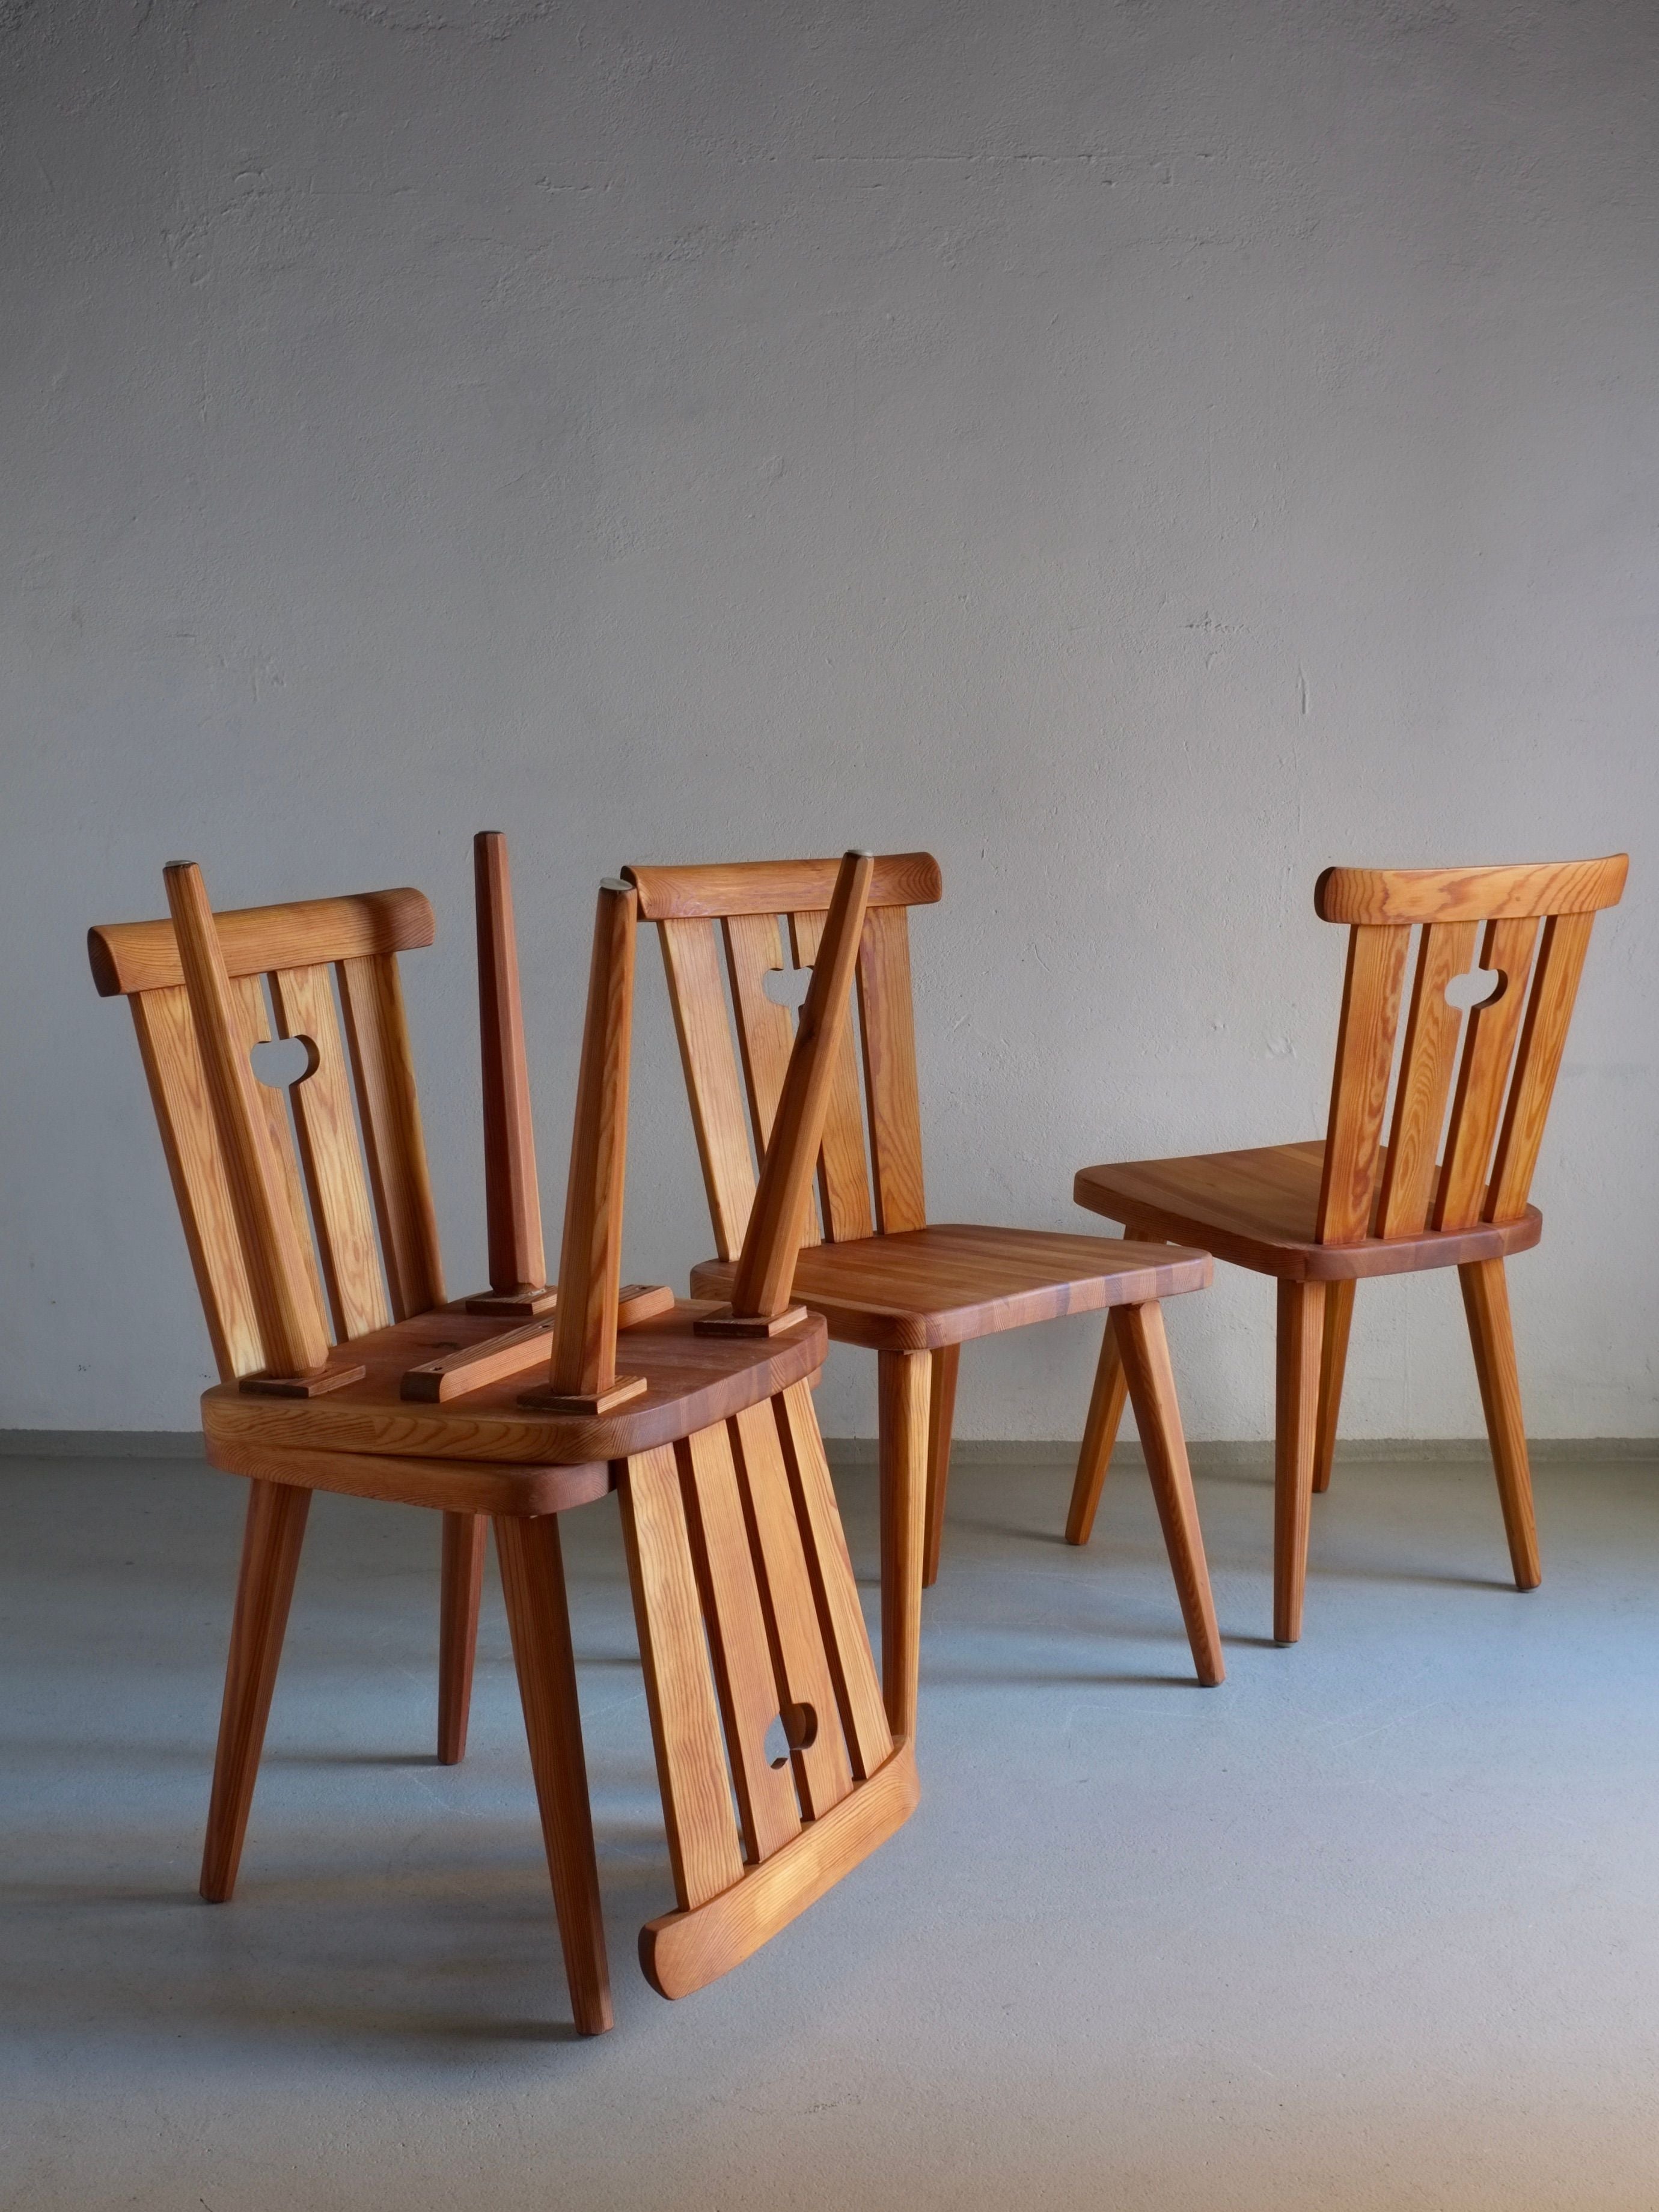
(1143, 453)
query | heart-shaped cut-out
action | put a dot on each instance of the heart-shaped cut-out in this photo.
(279, 1064)
(1477, 988)
(787, 986)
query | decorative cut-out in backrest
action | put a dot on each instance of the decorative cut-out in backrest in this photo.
(769, 915)
(1528, 925)
(344, 1143)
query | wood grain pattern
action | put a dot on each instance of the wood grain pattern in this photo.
(590, 1255)
(765, 1030)
(941, 1419)
(690, 1758)
(443, 1485)
(1100, 1426)
(843, 1169)
(954, 1281)
(533, 1584)
(823, 1775)
(471, 1367)
(892, 1100)
(846, 1643)
(1537, 1063)
(462, 1586)
(683, 1952)
(692, 1383)
(1432, 1029)
(1504, 893)
(740, 1645)
(692, 959)
(1143, 1349)
(253, 1015)
(783, 1200)
(1260, 1209)
(774, 887)
(902, 1383)
(1301, 1339)
(1488, 1052)
(143, 956)
(1359, 1091)
(271, 1538)
(178, 1090)
(1332, 1366)
(1492, 1334)
(327, 1125)
(382, 1068)
(457, 1374)
(512, 1196)
(290, 1327)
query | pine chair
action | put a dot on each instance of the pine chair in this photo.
(739, 1574)
(869, 1264)
(1321, 1215)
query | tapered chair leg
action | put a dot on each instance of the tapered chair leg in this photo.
(1332, 1364)
(1486, 1302)
(902, 1388)
(271, 1538)
(1143, 1350)
(462, 1583)
(941, 1411)
(1106, 1407)
(533, 1584)
(1301, 1343)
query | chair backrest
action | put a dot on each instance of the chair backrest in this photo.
(342, 1145)
(770, 916)
(1534, 923)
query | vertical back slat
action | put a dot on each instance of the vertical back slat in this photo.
(691, 1763)
(330, 1153)
(843, 1173)
(173, 1068)
(782, 1198)
(1359, 1090)
(383, 1071)
(1488, 1049)
(737, 1640)
(1432, 1027)
(841, 1619)
(823, 1773)
(765, 1032)
(1538, 1062)
(887, 1015)
(248, 993)
(292, 1331)
(692, 959)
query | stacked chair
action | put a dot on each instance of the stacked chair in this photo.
(744, 1597)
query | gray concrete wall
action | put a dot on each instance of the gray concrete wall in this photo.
(1141, 452)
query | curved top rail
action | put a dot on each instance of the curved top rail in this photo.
(143, 956)
(1527, 889)
(716, 891)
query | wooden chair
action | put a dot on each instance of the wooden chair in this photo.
(1319, 1216)
(869, 1264)
(741, 1586)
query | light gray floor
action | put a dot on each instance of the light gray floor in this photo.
(1374, 1924)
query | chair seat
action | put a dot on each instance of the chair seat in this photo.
(693, 1381)
(1258, 1210)
(919, 1289)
